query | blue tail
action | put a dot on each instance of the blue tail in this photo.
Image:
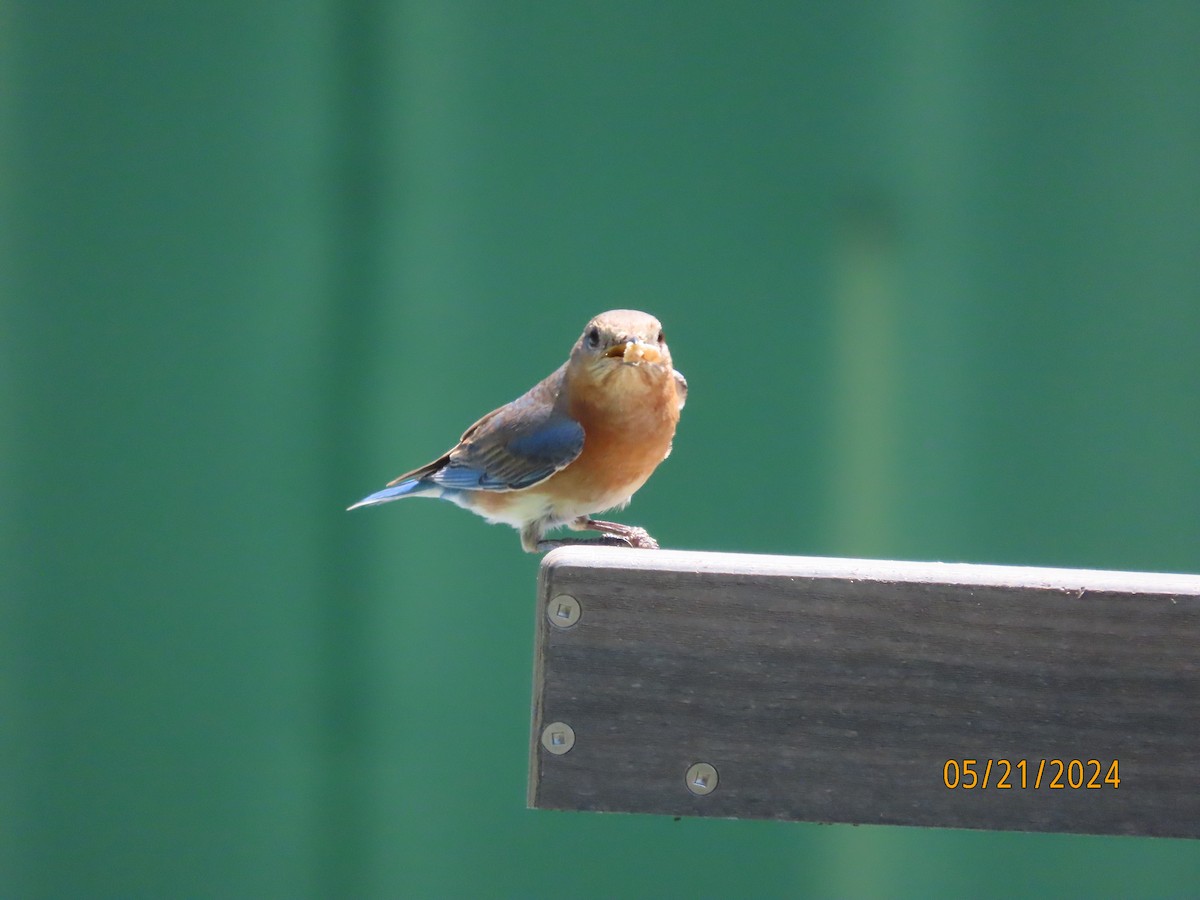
(414, 487)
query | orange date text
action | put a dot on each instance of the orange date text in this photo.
(1035, 774)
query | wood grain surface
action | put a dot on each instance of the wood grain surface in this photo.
(837, 691)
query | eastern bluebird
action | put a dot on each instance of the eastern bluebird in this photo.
(580, 441)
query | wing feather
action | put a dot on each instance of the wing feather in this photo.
(516, 446)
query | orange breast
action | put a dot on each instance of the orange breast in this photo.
(628, 427)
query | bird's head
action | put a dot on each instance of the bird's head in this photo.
(622, 341)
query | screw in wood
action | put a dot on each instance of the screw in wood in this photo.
(558, 738)
(563, 611)
(701, 779)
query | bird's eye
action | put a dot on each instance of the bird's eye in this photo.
(593, 337)
(661, 337)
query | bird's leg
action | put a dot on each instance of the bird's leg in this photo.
(612, 534)
(626, 535)
(532, 540)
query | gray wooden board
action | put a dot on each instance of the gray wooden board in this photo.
(836, 690)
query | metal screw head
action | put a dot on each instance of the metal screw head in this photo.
(563, 611)
(701, 779)
(558, 738)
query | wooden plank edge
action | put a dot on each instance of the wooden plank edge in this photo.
(884, 571)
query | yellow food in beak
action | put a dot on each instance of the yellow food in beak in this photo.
(634, 352)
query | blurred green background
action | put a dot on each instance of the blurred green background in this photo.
(932, 271)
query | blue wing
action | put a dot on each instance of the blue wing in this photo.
(513, 447)
(513, 450)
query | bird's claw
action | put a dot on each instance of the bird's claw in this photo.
(630, 536)
(622, 535)
(637, 538)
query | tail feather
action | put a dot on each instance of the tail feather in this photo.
(411, 487)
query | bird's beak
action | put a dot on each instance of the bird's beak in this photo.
(617, 351)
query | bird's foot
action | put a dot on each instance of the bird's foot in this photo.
(638, 538)
(625, 535)
(612, 534)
